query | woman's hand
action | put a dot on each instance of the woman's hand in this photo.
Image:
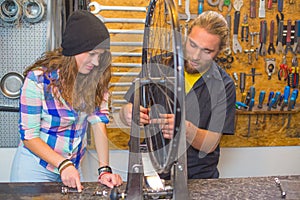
(71, 178)
(110, 180)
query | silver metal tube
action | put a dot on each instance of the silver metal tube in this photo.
(138, 65)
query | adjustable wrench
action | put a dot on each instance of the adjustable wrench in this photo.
(263, 37)
(227, 50)
(279, 48)
(271, 45)
(98, 8)
(236, 46)
(288, 46)
(187, 10)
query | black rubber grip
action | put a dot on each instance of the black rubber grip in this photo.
(236, 22)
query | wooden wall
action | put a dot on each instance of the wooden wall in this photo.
(276, 129)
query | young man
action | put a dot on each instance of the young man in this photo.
(210, 97)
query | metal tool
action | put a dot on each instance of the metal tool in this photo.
(227, 50)
(224, 3)
(271, 48)
(252, 8)
(280, 5)
(95, 8)
(253, 74)
(284, 71)
(120, 20)
(279, 48)
(288, 46)
(283, 193)
(296, 48)
(200, 6)
(236, 46)
(213, 3)
(249, 52)
(126, 54)
(124, 31)
(262, 10)
(187, 10)
(242, 81)
(270, 66)
(235, 78)
(237, 4)
(252, 35)
(270, 3)
(263, 37)
(245, 28)
(251, 104)
(261, 99)
(277, 97)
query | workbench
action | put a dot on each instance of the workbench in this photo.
(256, 188)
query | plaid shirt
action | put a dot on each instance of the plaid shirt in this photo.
(61, 127)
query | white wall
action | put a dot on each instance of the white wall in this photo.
(234, 162)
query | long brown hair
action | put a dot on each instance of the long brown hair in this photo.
(83, 91)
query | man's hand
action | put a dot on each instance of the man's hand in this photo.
(126, 115)
(166, 124)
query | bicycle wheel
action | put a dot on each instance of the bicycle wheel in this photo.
(162, 80)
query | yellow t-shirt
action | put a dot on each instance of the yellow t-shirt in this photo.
(190, 80)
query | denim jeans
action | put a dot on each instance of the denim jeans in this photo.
(26, 168)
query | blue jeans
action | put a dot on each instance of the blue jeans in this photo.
(26, 168)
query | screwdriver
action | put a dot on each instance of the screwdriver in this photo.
(261, 99)
(271, 94)
(277, 96)
(200, 6)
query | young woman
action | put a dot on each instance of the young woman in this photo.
(63, 91)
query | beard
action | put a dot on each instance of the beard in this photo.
(197, 67)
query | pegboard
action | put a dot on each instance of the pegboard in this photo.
(21, 45)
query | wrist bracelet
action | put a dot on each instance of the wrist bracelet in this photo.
(104, 169)
(64, 164)
(103, 174)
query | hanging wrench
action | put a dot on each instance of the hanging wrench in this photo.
(236, 46)
(237, 4)
(120, 20)
(288, 46)
(96, 8)
(263, 37)
(271, 44)
(227, 50)
(224, 3)
(279, 48)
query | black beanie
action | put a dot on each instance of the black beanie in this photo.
(84, 32)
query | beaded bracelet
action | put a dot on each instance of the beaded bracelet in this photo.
(104, 169)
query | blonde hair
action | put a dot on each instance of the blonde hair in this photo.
(83, 92)
(214, 23)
